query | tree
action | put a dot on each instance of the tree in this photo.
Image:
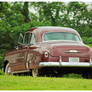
(15, 17)
(25, 12)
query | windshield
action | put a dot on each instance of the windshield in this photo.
(50, 36)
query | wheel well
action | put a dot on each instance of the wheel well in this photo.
(5, 63)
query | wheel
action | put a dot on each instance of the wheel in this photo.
(8, 70)
(89, 76)
(34, 72)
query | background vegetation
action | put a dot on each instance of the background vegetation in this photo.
(17, 17)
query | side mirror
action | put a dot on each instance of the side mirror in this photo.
(20, 40)
(16, 47)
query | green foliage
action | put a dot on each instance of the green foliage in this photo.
(72, 75)
(1, 60)
(17, 17)
(87, 40)
(1, 73)
(90, 45)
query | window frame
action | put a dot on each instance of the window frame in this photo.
(60, 40)
(34, 39)
(29, 39)
(24, 39)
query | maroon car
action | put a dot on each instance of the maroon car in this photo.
(49, 48)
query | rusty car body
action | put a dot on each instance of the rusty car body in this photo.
(44, 47)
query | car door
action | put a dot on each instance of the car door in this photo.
(21, 55)
(33, 57)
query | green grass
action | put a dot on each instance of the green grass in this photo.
(43, 83)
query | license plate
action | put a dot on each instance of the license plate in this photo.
(73, 59)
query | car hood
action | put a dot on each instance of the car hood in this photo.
(66, 48)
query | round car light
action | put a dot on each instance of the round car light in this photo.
(46, 54)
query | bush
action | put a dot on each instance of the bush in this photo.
(72, 75)
(90, 45)
(87, 40)
(1, 60)
(1, 73)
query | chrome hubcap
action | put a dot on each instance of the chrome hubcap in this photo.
(9, 70)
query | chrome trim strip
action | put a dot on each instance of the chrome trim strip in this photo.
(60, 60)
(72, 51)
(90, 61)
(49, 64)
(64, 64)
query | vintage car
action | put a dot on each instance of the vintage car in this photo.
(49, 48)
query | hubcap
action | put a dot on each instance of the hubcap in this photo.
(9, 70)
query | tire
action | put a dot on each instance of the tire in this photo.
(89, 76)
(8, 70)
(34, 72)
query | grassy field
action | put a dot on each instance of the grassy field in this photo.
(43, 83)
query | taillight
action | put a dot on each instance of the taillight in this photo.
(46, 54)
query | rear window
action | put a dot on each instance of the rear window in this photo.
(51, 36)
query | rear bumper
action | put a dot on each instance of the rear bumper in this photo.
(65, 64)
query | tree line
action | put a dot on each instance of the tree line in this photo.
(17, 17)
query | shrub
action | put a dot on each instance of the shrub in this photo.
(87, 40)
(1, 60)
(1, 73)
(90, 45)
(72, 75)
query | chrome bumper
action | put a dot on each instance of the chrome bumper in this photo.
(61, 64)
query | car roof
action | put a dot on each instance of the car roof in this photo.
(52, 29)
(39, 31)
